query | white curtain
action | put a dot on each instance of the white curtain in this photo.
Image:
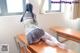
(68, 11)
(41, 4)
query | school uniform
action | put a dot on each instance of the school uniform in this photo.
(30, 36)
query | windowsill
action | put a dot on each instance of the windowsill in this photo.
(52, 13)
(11, 14)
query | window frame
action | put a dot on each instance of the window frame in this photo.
(49, 7)
(4, 11)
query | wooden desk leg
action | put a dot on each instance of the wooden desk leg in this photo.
(57, 37)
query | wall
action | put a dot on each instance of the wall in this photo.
(9, 28)
(10, 25)
(55, 19)
(48, 20)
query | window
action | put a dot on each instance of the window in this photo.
(11, 7)
(50, 6)
(0, 10)
(54, 5)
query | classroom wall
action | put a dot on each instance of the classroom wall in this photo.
(10, 25)
(55, 19)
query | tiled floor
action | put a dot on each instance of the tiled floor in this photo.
(70, 44)
(73, 45)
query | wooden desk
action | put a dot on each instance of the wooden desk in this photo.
(42, 47)
(67, 33)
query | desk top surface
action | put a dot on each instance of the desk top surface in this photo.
(67, 31)
(43, 48)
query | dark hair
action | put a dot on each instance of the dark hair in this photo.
(29, 8)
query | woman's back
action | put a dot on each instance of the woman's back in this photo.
(28, 25)
(28, 22)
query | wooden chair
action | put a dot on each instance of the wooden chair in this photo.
(22, 45)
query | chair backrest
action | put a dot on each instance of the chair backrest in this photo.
(22, 44)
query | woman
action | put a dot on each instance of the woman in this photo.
(29, 18)
(38, 34)
(33, 33)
